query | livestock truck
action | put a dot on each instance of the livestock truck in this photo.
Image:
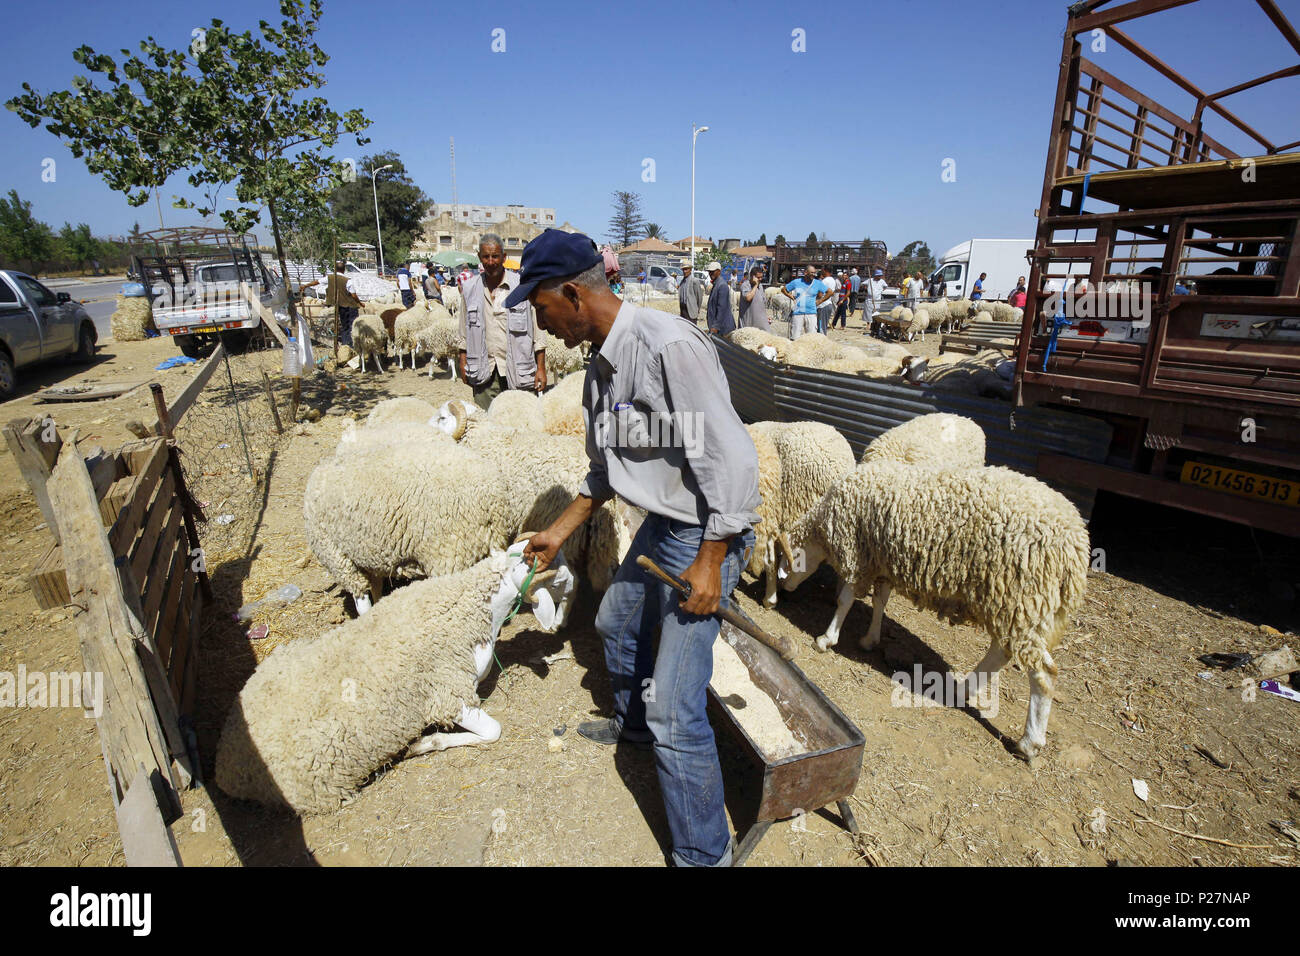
(1005, 261)
(1196, 364)
(200, 287)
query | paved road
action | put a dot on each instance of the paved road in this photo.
(98, 296)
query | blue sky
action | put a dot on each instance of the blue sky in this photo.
(847, 138)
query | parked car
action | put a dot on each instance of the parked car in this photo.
(36, 325)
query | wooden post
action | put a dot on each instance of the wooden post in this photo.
(164, 416)
(35, 444)
(270, 398)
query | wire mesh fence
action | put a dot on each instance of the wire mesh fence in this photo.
(228, 440)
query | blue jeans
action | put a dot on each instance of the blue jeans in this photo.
(660, 694)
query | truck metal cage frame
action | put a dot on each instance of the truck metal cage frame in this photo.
(1153, 210)
(790, 258)
(195, 246)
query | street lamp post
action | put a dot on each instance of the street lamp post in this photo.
(378, 233)
(695, 132)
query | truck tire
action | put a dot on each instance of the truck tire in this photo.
(8, 381)
(236, 341)
(85, 344)
(189, 346)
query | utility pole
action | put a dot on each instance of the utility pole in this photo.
(455, 202)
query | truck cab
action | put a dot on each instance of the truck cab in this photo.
(37, 324)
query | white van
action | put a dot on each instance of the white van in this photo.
(1005, 260)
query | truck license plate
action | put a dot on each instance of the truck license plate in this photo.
(1245, 484)
(204, 328)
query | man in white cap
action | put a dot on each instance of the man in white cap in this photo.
(873, 291)
(690, 295)
(720, 319)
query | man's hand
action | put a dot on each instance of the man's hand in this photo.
(539, 380)
(544, 546)
(705, 578)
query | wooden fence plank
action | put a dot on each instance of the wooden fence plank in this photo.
(146, 477)
(165, 564)
(108, 633)
(35, 459)
(182, 403)
(146, 838)
(142, 551)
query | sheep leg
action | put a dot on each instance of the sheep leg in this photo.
(479, 729)
(363, 363)
(1042, 683)
(400, 358)
(769, 576)
(878, 601)
(843, 601)
(982, 682)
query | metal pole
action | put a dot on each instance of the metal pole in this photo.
(375, 189)
(695, 132)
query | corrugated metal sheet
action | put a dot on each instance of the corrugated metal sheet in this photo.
(860, 410)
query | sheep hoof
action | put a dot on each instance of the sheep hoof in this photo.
(867, 644)
(824, 643)
(1029, 751)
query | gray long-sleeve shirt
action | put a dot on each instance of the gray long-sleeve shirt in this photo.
(661, 430)
(753, 314)
(690, 296)
(720, 316)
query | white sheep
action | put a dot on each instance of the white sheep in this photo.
(987, 546)
(440, 338)
(779, 306)
(798, 462)
(321, 715)
(407, 408)
(369, 338)
(545, 471)
(938, 440)
(452, 300)
(562, 406)
(406, 331)
(405, 508)
(754, 339)
(516, 408)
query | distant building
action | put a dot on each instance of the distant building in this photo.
(672, 252)
(459, 227)
(700, 243)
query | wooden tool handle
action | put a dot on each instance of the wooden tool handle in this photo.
(782, 645)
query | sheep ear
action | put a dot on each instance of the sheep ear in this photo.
(783, 540)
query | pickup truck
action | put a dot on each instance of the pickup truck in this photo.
(37, 324)
(205, 306)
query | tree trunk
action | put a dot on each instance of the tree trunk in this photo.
(284, 267)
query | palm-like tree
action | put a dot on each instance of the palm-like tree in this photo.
(654, 231)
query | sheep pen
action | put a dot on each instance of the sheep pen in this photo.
(439, 808)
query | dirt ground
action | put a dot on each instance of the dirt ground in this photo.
(938, 785)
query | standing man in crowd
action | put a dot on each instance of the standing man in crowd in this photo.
(977, 290)
(855, 290)
(1021, 293)
(499, 346)
(341, 293)
(937, 285)
(404, 285)
(753, 302)
(827, 305)
(432, 287)
(874, 293)
(690, 295)
(915, 289)
(699, 488)
(808, 292)
(719, 317)
(841, 302)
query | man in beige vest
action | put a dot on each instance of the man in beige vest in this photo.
(340, 292)
(499, 346)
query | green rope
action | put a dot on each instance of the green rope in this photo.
(519, 603)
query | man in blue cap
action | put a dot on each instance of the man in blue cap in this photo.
(663, 435)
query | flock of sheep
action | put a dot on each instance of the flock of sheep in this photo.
(443, 495)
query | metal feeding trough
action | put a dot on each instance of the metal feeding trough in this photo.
(803, 783)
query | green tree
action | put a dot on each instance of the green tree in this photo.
(79, 246)
(402, 207)
(917, 256)
(762, 239)
(779, 240)
(704, 256)
(626, 225)
(654, 231)
(25, 241)
(232, 108)
(812, 239)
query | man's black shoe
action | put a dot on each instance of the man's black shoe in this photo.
(607, 732)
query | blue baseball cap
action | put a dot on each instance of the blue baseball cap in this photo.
(555, 254)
